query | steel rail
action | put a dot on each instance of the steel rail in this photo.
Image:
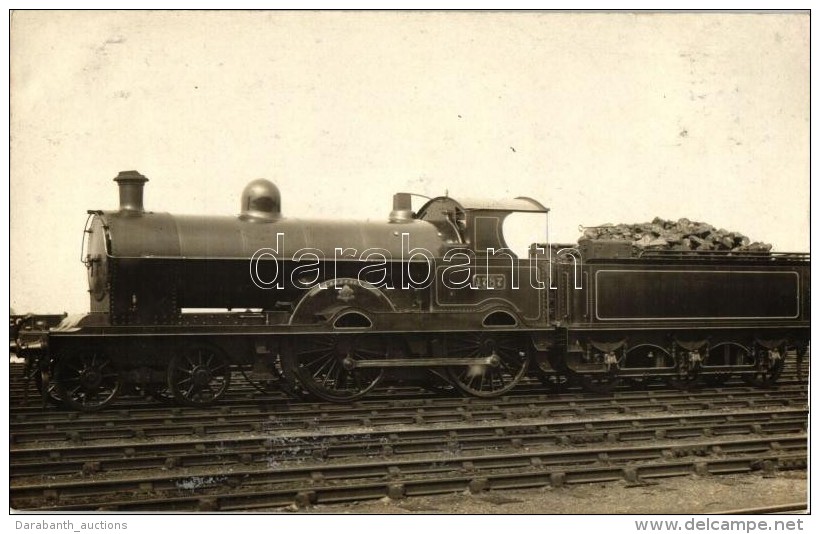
(288, 448)
(249, 489)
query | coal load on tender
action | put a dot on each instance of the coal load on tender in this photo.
(683, 234)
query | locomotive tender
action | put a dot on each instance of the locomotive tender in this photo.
(335, 307)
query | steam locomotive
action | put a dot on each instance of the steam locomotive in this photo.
(333, 308)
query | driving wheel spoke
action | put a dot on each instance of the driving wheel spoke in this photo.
(332, 375)
(508, 352)
(86, 380)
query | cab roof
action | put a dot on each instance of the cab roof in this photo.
(517, 204)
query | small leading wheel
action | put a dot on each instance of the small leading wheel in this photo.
(87, 380)
(510, 360)
(43, 377)
(326, 365)
(42, 373)
(199, 376)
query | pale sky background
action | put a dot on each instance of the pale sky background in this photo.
(601, 117)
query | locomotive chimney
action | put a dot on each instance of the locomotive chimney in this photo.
(131, 184)
(402, 208)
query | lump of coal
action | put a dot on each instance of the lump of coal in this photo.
(682, 234)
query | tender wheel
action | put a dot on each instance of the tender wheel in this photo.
(688, 365)
(605, 381)
(510, 356)
(769, 366)
(199, 376)
(325, 366)
(723, 354)
(647, 359)
(87, 380)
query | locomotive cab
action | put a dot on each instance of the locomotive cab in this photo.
(476, 224)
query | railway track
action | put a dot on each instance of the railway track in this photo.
(267, 451)
(248, 450)
(60, 426)
(313, 483)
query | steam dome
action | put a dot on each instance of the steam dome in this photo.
(261, 201)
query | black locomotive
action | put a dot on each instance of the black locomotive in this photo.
(335, 307)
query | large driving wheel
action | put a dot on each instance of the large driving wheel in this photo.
(510, 359)
(87, 380)
(199, 376)
(326, 365)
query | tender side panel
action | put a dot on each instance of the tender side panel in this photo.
(654, 294)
